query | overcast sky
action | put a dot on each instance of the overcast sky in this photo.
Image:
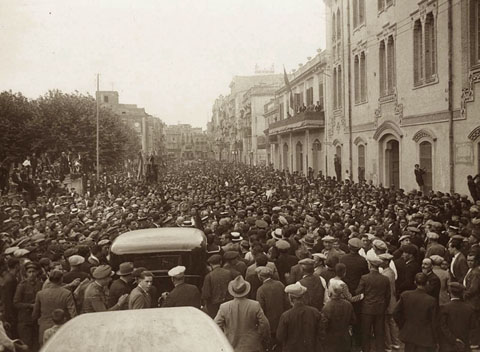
(172, 57)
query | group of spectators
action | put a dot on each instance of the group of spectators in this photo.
(297, 263)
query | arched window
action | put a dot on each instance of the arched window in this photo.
(430, 48)
(340, 87)
(417, 52)
(299, 157)
(382, 65)
(363, 77)
(355, 13)
(335, 100)
(426, 163)
(361, 162)
(391, 64)
(356, 72)
(475, 31)
(339, 25)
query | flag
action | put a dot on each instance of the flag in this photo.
(289, 87)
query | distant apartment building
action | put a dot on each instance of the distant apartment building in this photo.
(237, 119)
(183, 141)
(295, 119)
(148, 128)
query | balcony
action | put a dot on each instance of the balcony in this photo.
(299, 122)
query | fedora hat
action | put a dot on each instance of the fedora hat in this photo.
(308, 241)
(238, 287)
(125, 269)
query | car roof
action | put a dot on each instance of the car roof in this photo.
(165, 239)
(179, 329)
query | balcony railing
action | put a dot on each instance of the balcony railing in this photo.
(300, 121)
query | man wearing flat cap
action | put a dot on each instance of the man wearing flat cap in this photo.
(242, 319)
(272, 298)
(300, 328)
(215, 284)
(183, 294)
(49, 299)
(315, 294)
(285, 261)
(457, 321)
(416, 315)
(24, 300)
(376, 290)
(95, 299)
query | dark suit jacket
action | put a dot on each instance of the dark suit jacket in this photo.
(433, 285)
(338, 316)
(376, 288)
(472, 292)
(117, 289)
(284, 263)
(357, 266)
(296, 274)
(415, 314)
(457, 319)
(460, 268)
(184, 295)
(411, 269)
(274, 301)
(315, 291)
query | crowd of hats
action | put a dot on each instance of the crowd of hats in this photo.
(236, 200)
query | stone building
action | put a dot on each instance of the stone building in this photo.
(403, 89)
(183, 141)
(296, 119)
(148, 128)
(232, 129)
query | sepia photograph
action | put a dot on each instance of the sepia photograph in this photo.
(240, 175)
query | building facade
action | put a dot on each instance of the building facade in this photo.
(148, 128)
(183, 141)
(232, 128)
(296, 119)
(403, 89)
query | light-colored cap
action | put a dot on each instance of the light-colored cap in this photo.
(296, 289)
(177, 272)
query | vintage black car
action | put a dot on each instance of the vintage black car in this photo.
(161, 249)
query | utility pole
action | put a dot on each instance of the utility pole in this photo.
(98, 129)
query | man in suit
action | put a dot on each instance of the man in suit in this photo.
(315, 291)
(459, 266)
(376, 290)
(122, 285)
(183, 294)
(433, 281)
(95, 299)
(284, 261)
(272, 299)
(457, 320)
(472, 290)
(215, 285)
(415, 314)
(338, 315)
(49, 299)
(357, 266)
(409, 254)
(301, 327)
(140, 297)
(242, 319)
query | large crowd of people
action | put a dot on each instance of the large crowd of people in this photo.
(298, 263)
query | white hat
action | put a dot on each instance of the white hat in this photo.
(177, 272)
(296, 289)
(236, 237)
(373, 259)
